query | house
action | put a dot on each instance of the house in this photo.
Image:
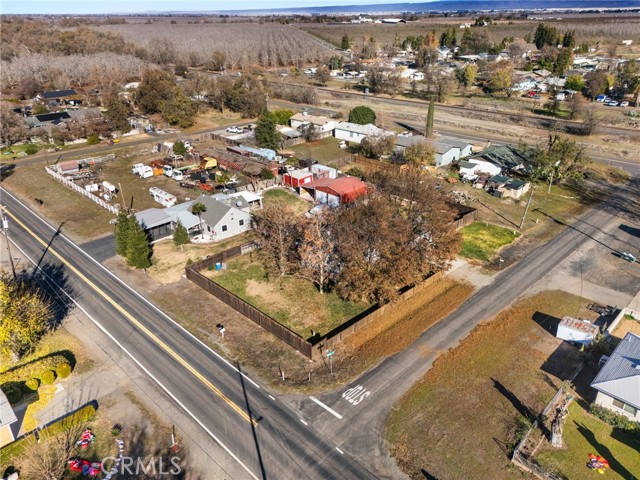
(394, 21)
(511, 188)
(445, 153)
(222, 220)
(469, 170)
(577, 330)
(352, 132)
(417, 76)
(59, 97)
(508, 158)
(618, 381)
(627, 42)
(47, 120)
(7, 418)
(402, 142)
(297, 178)
(465, 147)
(338, 191)
(320, 124)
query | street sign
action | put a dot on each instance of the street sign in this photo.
(330, 353)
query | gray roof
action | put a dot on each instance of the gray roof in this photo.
(152, 217)
(465, 164)
(216, 210)
(407, 141)
(620, 376)
(368, 129)
(7, 415)
(442, 147)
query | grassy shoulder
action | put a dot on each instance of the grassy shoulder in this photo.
(466, 407)
(584, 434)
(481, 241)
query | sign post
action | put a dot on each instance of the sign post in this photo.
(330, 354)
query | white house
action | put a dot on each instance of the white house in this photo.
(627, 42)
(352, 132)
(618, 382)
(446, 153)
(223, 220)
(469, 170)
(320, 124)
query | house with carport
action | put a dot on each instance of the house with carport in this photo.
(618, 381)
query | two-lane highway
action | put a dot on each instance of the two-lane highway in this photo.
(264, 436)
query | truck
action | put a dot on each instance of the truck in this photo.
(167, 170)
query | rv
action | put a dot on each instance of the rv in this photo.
(162, 197)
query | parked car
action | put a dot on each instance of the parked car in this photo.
(624, 104)
(531, 94)
(234, 129)
(628, 257)
(613, 103)
(601, 98)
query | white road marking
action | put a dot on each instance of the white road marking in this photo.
(272, 397)
(166, 390)
(356, 394)
(340, 450)
(328, 409)
(304, 422)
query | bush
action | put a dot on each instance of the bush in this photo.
(32, 368)
(189, 261)
(32, 384)
(362, 115)
(13, 392)
(266, 174)
(48, 377)
(93, 140)
(63, 370)
(31, 149)
(616, 420)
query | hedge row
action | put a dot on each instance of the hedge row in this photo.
(32, 369)
(15, 390)
(616, 420)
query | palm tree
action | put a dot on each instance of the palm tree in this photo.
(199, 208)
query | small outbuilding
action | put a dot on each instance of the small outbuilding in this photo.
(577, 330)
(338, 191)
(297, 178)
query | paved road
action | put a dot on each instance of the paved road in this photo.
(278, 446)
(365, 403)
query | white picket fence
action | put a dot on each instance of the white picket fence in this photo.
(61, 178)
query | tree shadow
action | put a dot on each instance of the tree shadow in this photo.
(427, 475)
(560, 222)
(67, 354)
(630, 230)
(521, 408)
(263, 472)
(603, 451)
(7, 170)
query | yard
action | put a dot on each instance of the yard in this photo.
(459, 420)
(298, 205)
(481, 241)
(325, 151)
(584, 434)
(293, 302)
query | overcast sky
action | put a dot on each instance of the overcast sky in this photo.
(135, 6)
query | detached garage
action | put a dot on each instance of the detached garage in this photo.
(297, 178)
(338, 191)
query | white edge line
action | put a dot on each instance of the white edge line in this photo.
(340, 450)
(303, 422)
(328, 409)
(272, 397)
(73, 244)
(106, 332)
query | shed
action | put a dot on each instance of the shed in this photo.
(334, 192)
(577, 330)
(297, 178)
(322, 171)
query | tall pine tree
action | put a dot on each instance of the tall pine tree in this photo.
(123, 225)
(266, 134)
(138, 248)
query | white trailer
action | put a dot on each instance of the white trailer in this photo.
(163, 198)
(577, 330)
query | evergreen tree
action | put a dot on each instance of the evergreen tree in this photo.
(180, 235)
(362, 115)
(118, 112)
(138, 248)
(178, 109)
(179, 148)
(569, 40)
(346, 42)
(430, 113)
(123, 225)
(266, 134)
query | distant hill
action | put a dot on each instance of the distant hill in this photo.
(452, 6)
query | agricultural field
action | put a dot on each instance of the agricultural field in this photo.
(244, 44)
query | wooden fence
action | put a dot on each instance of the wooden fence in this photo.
(309, 349)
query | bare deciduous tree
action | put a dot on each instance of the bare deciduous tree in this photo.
(276, 225)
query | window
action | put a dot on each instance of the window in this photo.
(631, 410)
(241, 222)
(224, 228)
(618, 404)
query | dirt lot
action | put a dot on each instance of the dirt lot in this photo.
(459, 420)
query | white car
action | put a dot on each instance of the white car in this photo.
(624, 104)
(234, 130)
(613, 103)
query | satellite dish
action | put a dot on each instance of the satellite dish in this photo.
(238, 203)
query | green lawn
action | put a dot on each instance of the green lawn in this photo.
(584, 434)
(299, 205)
(296, 303)
(480, 241)
(325, 151)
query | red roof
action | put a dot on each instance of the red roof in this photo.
(348, 188)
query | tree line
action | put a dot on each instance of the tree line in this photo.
(366, 251)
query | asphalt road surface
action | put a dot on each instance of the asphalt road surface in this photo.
(266, 437)
(357, 412)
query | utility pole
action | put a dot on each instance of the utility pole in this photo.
(527, 208)
(5, 226)
(330, 354)
(555, 165)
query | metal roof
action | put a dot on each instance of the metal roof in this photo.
(58, 94)
(7, 415)
(465, 164)
(620, 376)
(368, 129)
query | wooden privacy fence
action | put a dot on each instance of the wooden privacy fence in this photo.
(309, 349)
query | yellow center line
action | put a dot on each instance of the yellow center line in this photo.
(144, 329)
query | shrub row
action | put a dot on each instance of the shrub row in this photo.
(616, 420)
(32, 369)
(15, 390)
